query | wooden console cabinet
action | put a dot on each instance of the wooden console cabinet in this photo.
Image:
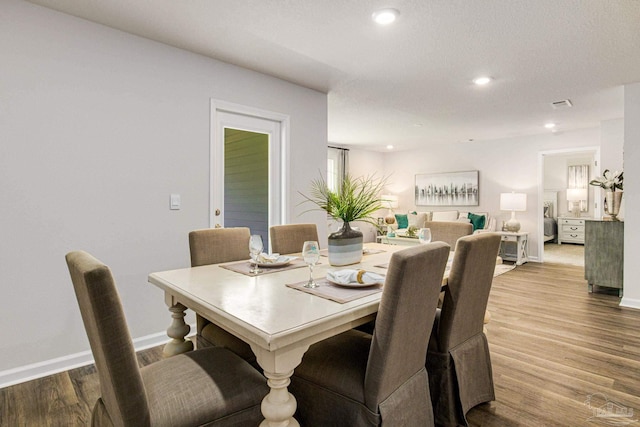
(604, 254)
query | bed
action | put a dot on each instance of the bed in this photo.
(550, 217)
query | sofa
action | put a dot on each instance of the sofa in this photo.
(480, 221)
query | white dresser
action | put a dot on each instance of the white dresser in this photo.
(571, 230)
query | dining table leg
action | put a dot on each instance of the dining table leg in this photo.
(177, 331)
(279, 406)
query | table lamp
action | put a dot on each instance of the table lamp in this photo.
(390, 202)
(513, 202)
(575, 196)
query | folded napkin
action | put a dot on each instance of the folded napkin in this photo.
(347, 276)
(265, 258)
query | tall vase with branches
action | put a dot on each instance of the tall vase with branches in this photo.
(357, 199)
(611, 182)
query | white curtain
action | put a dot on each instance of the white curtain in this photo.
(337, 167)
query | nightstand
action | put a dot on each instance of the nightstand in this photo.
(571, 230)
(514, 246)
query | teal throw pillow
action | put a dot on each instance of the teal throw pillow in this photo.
(402, 220)
(477, 221)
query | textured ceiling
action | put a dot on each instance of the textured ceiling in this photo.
(409, 84)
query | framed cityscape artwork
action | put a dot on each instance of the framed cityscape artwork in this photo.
(447, 189)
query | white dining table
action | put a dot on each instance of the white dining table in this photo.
(279, 322)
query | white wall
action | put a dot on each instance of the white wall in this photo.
(504, 165)
(612, 137)
(97, 129)
(631, 291)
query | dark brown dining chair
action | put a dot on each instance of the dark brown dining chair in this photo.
(288, 239)
(356, 379)
(213, 246)
(458, 360)
(202, 387)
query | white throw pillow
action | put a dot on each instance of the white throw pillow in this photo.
(417, 219)
(444, 216)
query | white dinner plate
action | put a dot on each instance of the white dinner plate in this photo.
(354, 284)
(280, 262)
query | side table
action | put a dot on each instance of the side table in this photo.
(514, 246)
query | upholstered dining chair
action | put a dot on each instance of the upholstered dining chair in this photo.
(458, 360)
(213, 246)
(202, 387)
(289, 238)
(356, 379)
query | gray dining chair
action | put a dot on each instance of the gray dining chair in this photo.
(356, 379)
(213, 246)
(458, 359)
(202, 387)
(288, 239)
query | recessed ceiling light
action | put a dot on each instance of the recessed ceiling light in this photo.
(385, 16)
(389, 147)
(481, 81)
(550, 125)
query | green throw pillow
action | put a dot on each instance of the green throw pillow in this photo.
(402, 220)
(477, 221)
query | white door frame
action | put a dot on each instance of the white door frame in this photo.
(541, 155)
(227, 114)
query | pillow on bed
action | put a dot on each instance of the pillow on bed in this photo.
(546, 211)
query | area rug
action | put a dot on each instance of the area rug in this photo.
(502, 268)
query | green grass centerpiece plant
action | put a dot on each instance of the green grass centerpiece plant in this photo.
(357, 199)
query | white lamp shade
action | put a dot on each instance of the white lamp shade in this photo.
(513, 202)
(576, 194)
(389, 201)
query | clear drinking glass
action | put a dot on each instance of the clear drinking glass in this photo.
(311, 255)
(255, 249)
(424, 235)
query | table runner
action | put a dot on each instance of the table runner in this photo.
(340, 294)
(245, 266)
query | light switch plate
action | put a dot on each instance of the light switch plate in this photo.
(175, 202)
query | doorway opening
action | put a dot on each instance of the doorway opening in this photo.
(555, 179)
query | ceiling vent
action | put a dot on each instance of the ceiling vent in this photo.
(561, 104)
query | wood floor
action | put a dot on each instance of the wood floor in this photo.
(553, 348)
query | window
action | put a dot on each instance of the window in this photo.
(337, 165)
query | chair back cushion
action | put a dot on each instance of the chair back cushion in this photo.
(121, 384)
(405, 318)
(288, 239)
(465, 301)
(216, 245)
(448, 231)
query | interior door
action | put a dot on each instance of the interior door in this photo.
(246, 181)
(247, 177)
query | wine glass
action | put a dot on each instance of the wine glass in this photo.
(424, 235)
(311, 255)
(255, 249)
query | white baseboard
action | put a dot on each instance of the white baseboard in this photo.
(33, 371)
(630, 302)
